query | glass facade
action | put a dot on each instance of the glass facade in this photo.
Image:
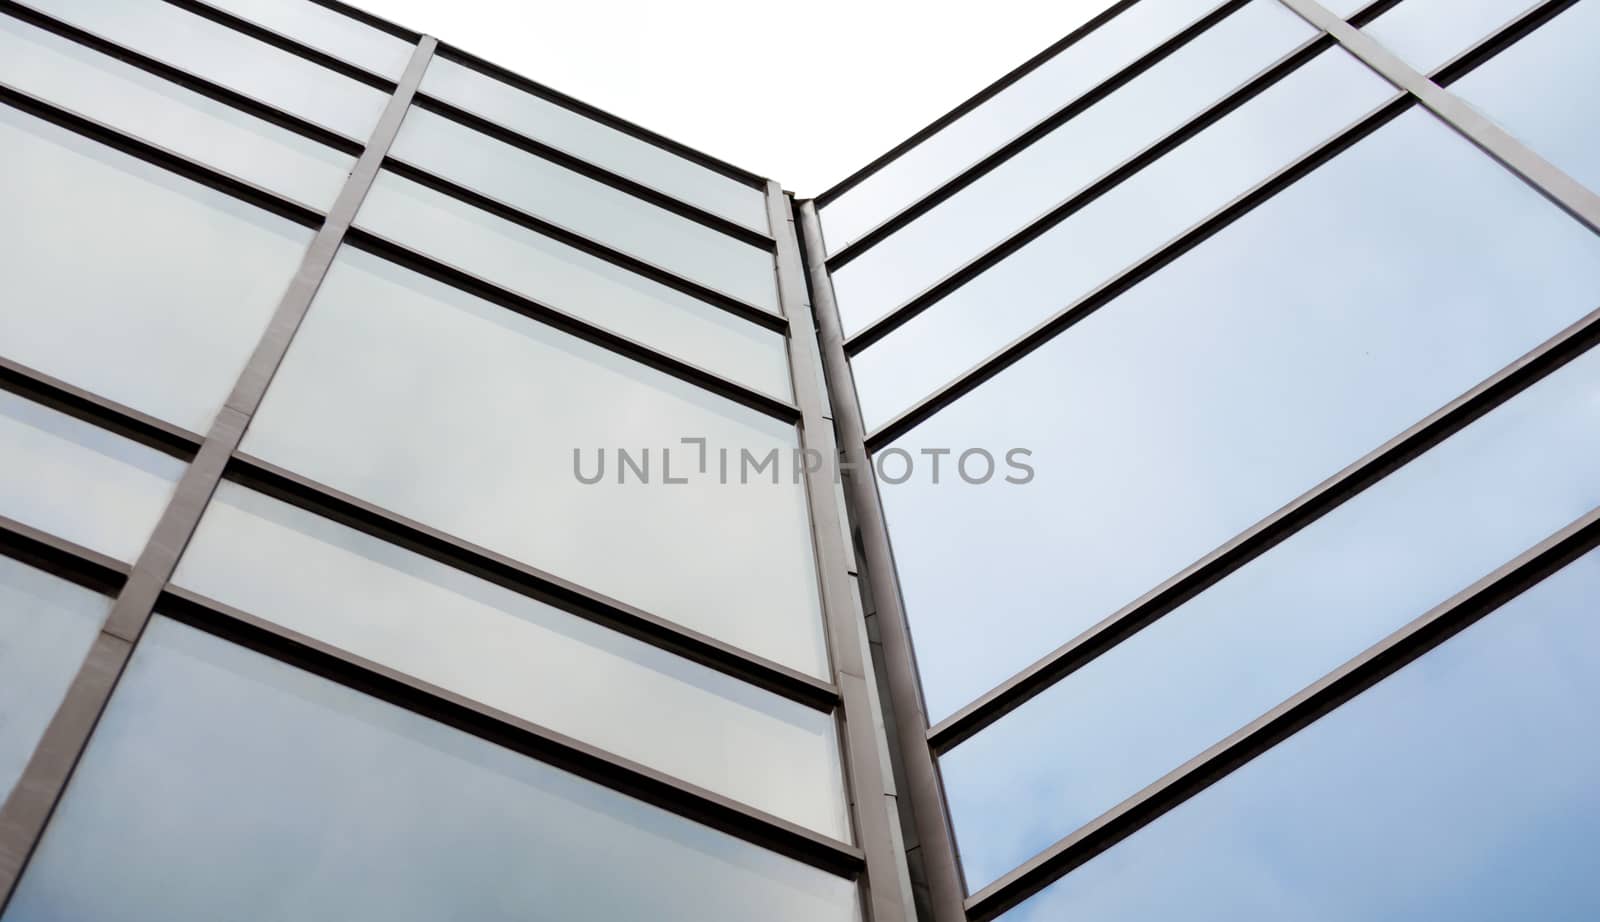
(1213, 532)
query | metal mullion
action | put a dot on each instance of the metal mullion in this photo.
(247, 104)
(28, 807)
(868, 774)
(1401, 648)
(98, 411)
(521, 578)
(924, 791)
(634, 264)
(488, 290)
(1544, 177)
(1515, 31)
(159, 156)
(600, 174)
(970, 103)
(501, 728)
(1528, 370)
(1137, 272)
(1085, 101)
(59, 557)
(284, 43)
(617, 123)
(1126, 170)
(1372, 11)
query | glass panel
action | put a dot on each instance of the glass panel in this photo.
(595, 143)
(479, 421)
(616, 219)
(80, 482)
(145, 106)
(1222, 387)
(1007, 114)
(571, 280)
(228, 58)
(46, 627)
(522, 656)
(326, 30)
(1115, 231)
(131, 281)
(1540, 90)
(1344, 9)
(1461, 787)
(249, 790)
(1074, 155)
(1408, 543)
(1427, 33)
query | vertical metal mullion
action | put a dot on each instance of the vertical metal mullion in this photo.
(869, 772)
(935, 840)
(27, 810)
(1545, 177)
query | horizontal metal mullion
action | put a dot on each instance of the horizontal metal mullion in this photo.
(247, 104)
(284, 43)
(973, 268)
(169, 160)
(1085, 101)
(597, 173)
(476, 285)
(1132, 275)
(1515, 31)
(638, 132)
(1376, 663)
(1266, 534)
(503, 729)
(60, 557)
(98, 411)
(366, 18)
(972, 102)
(572, 238)
(529, 581)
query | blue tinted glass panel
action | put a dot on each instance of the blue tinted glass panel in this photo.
(1007, 114)
(224, 785)
(1542, 91)
(1427, 33)
(124, 97)
(77, 481)
(595, 143)
(1223, 386)
(1461, 787)
(1115, 231)
(326, 30)
(548, 190)
(46, 627)
(1070, 157)
(1401, 547)
(505, 432)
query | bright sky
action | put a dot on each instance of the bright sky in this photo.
(802, 92)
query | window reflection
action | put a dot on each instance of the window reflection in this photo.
(253, 791)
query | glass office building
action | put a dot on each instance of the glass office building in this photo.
(1167, 486)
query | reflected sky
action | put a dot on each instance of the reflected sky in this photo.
(568, 131)
(561, 196)
(328, 30)
(1257, 637)
(46, 627)
(1427, 33)
(1068, 158)
(183, 280)
(466, 416)
(229, 58)
(1007, 114)
(1462, 787)
(514, 653)
(1542, 91)
(266, 793)
(1224, 386)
